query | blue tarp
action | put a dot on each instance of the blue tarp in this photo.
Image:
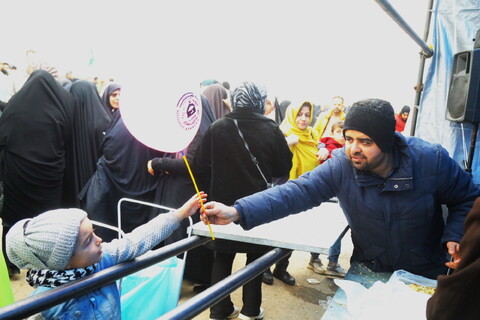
(455, 24)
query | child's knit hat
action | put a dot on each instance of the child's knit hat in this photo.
(46, 241)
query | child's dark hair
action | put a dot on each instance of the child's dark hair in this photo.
(336, 125)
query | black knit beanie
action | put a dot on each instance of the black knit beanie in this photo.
(405, 109)
(375, 118)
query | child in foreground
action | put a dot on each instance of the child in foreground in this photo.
(60, 246)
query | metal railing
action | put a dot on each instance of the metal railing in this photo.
(220, 290)
(45, 300)
(194, 306)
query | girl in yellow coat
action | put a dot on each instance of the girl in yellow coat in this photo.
(301, 138)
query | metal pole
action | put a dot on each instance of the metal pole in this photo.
(220, 290)
(31, 305)
(473, 141)
(404, 25)
(421, 68)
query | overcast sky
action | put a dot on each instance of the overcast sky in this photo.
(299, 50)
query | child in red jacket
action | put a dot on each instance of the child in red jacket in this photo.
(328, 144)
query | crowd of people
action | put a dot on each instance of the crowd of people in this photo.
(65, 152)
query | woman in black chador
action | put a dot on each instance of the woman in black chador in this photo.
(120, 173)
(35, 140)
(110, 98)
(91, 120)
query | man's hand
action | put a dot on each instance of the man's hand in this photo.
(218, 213)
(453, 250)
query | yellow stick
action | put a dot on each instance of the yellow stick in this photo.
(198, 192)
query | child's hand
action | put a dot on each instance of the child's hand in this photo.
(323, 154)
(191, 206)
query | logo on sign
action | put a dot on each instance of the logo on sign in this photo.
(188, 111)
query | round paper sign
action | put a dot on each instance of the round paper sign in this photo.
(165, 118)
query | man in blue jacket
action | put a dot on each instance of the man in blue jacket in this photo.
(391, 189)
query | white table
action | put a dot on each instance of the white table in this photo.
(314, 230)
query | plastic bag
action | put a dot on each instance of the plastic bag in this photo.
(153, 291)
(409, 278)
(391, 300)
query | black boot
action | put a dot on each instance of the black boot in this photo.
(267, 277)
(284, 276)
(199, 288)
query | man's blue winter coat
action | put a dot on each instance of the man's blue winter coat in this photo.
(396, 222)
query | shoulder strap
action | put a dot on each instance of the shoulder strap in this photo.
(255, 161)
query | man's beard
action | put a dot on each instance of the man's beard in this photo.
(360, 166)
(366, 164)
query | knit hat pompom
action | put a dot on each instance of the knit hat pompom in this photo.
(376, 119)
(46, 241)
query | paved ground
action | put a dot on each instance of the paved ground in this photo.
(281, 302)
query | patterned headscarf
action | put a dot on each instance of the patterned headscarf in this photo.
(248, 95)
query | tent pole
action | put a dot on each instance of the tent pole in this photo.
(419, 86)
(472, 148)
(387, 7)
(426, 52)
